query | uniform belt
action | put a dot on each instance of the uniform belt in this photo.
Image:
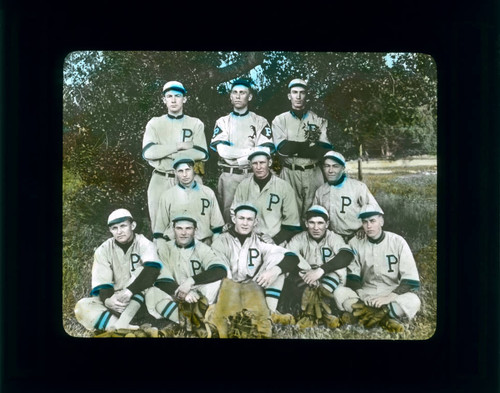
(298, 167)
(169, 174)
(234, 170)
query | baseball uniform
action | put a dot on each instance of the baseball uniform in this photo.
(315, 254)
(247, 260)
(235, 137)
(197, 201)
(116, 269)
(300, 161)
(159, 149)
(381, 266)
(276, 205)
(343, 202)
(179, 264)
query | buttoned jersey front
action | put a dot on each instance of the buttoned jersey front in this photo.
(382, 265)
(242, 132)
(168, 131)
(344, 202)
(247, 259)
(115, 268)
(276, 204)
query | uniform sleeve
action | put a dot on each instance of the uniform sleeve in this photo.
(216, 218)
(290, 211)
(152, 150)
(199, 139)
(166, 273)
(366, 197)
(407, 267)
(102, 272)
(279, 132)
(162, 216)
(354, 268)
(220, 135)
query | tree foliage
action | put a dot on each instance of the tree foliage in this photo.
(110, 96)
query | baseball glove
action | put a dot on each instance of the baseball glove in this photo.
(199, 168)
(373, 316)
(313, 133)
(391, 325)
(315, 308)
(192, 316)
(245, 324)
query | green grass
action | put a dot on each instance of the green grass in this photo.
(407, 198)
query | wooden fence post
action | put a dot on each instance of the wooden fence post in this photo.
(360, 169)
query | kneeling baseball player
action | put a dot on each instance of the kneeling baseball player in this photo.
(189, 280)
(124, 267)
(327, 256)
(382, 280)
(257, 273)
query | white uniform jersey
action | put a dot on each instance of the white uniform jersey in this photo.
(276, 204)
(113, 268)
(246, 260)
(344, 202)
(316, 254)
(243, 133)
(182, 263)
(287, 126)
(383, 265)
(197, 201)
(168, 131)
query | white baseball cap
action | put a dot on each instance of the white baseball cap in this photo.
(118, 216)
(174, 85)
(336, 156)
(245, 206)
(369, 210)
(297, 82)
(259, 150)
(182, 160)
(317, 210)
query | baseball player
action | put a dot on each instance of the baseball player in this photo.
(124, 267)
(188, 198)
(166, 138)
(250, 258)
(235, 136)
(300, 136)
(382, 280)
(326, 255)
(278, 217)
(191, 269)
(342, 196)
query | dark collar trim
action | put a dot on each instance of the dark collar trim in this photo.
(377, 241)
(336, 183)
(175, 117)
(241, 114)
(190, 245)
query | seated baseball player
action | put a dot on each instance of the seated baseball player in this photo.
(124, 267)
(191, 274)
(342, 196)
(326, 255)
(188, 197)
(278, 218)
(252, 260)
(382, 280)
(166, 138)
(235, 136)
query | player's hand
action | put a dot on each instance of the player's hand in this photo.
(266, 238)
(124, 295)
(313, 275)
(185, 145)
(192, 297)
(267, 277)
(379, 301)
(114, 304)
(183, 289)
(242, 161)
(360, 234)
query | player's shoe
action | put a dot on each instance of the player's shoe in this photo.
(331, 321)
(282, 319)
(392, 325)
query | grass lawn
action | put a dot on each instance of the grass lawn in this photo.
(408, 198)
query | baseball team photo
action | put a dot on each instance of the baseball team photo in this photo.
(249, 195)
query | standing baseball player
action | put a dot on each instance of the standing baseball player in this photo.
(188, 198)
(251, 259)
(191, 270)
(326, 255)
(382, 280)
(300, 136)
(124, 267)
(166, 138)
(235, 136)
(278, 218)
(342, 196)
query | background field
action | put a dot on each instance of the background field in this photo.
(407, 194)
